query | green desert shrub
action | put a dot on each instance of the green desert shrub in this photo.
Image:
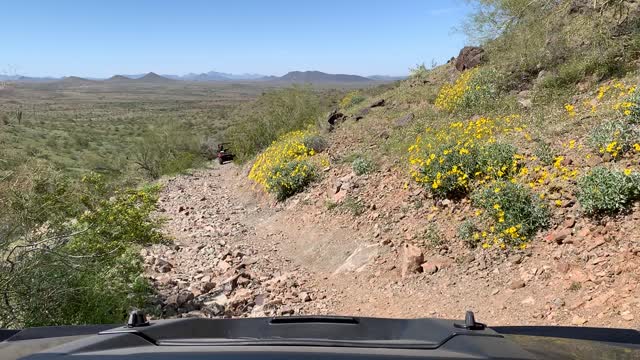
(419, 71)
(315, 142)
(351, 99)
(166, 152)
(614, 137)
(544, 152)
(353, 205)
(605, 191)
(466, 232)
(362, 165)
(432, 236)
(290, 178)
(515, 212)
(634, 115)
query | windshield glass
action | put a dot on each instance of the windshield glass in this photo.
(251, 159)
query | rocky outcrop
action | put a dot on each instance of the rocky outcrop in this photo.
(469, 57)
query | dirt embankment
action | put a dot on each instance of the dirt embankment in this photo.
(238, 254)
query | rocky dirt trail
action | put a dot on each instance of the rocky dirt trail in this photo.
(235, 254)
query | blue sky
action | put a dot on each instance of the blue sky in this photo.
(102, 38)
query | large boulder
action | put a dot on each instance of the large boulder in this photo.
(404, 121)
(362, 113)
(377, 103)
(334, 117)
(412, 259)
(469, 57)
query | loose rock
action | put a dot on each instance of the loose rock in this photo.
(516, 284)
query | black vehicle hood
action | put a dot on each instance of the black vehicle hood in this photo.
(329, 336)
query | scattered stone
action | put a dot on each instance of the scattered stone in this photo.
(577, 320)
(595, 242)
(304, 296)
(163, 266)
(558, 302)
(627, 315)
(516, 284)
(528, 301)
(563, 267)
(558, 236)
(223, 265)
(180, 299)
(208, 286)
(429, 268)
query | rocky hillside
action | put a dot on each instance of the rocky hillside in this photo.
(366, 238)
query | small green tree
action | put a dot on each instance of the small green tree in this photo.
(70, 249)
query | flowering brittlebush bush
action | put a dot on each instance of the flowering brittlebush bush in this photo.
(448, 160)
(620, 134)
(605, 191)
(450, 95)
(633, 110)
(618, 95)
(474, 89)
(290, 178)
(287, 166)
(118, 222)
(514, 212)
(352, 98)
(454, 160)
(614, 137)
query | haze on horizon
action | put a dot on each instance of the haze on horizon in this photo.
(92, 39)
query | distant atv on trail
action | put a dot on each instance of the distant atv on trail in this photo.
(224, 153)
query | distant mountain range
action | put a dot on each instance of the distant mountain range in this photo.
(291, 77)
